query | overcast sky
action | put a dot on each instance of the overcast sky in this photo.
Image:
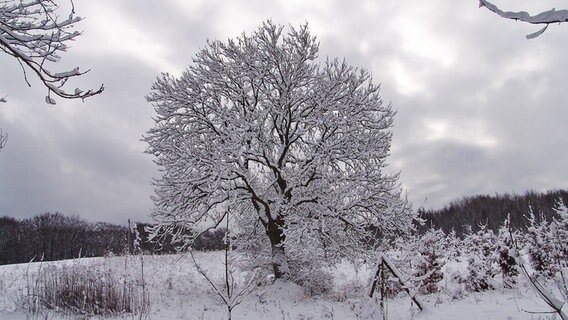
(481, 110)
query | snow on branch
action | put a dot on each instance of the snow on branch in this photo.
(32, 32)
(546, 17)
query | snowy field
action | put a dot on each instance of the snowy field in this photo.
(176, 290)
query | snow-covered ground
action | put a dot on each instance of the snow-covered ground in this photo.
(178, 291)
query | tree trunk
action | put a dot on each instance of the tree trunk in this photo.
(276, 235)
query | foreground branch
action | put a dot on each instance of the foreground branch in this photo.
(32, 32)
(546, 17)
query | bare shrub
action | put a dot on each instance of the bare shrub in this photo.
(315, 282)
(236, 285)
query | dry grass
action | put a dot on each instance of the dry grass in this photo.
(86, 290)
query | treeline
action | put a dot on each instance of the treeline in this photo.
(54, 236)
(469, 213)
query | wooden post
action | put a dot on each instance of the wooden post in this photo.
(377, 277)
(383, 292)
(384, 262)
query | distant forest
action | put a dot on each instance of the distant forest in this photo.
(491, 210)
(54, 236)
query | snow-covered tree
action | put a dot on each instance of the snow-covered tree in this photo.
(539, 246)
(546, 17)
(429, 260)
(548, 250)
(559, 235)
(454, 245)
(548, 241)
(505, 253)
(32, 32)
(294, 147)
(480, 269)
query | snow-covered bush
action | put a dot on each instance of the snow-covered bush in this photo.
(455, 284)
(453, 246)
(429, 261)
(478, 277)
(547, 242)
(559, 235)
(539, 246)
(402, 251)
(480, 269)
(392, 285)
(559, 232)
(505, 254)
(547, 250)
(315, 282)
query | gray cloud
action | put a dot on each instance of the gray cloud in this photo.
(480, 109)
